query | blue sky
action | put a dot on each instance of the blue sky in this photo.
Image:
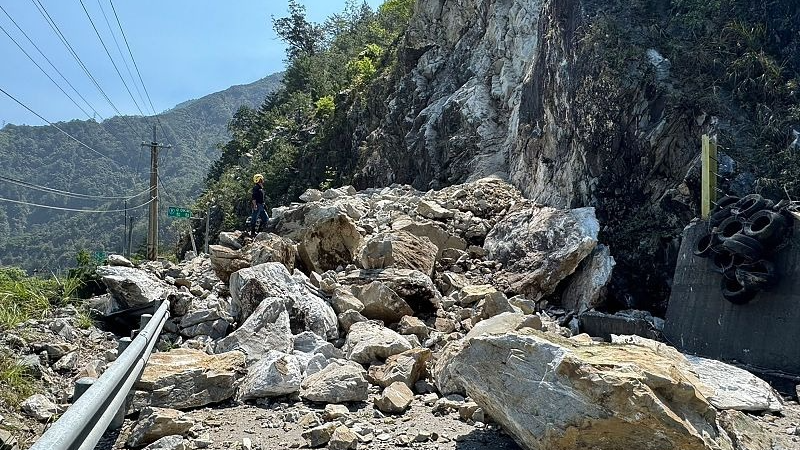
(184, 49)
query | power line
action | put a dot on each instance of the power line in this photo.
(50, 62)
(68, 193)
(122, 55)
(136, 66)
(65, 41)
(96, 211)
(44, 72)
(111, 58)
(55, 126)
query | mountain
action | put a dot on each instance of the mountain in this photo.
(38, 238)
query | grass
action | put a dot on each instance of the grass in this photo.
(23, 298)
(16, 383)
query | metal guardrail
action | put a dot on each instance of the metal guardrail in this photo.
(84, 423)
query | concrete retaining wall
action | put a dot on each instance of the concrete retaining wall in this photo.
(764, 333)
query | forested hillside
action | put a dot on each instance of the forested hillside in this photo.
(39, 238)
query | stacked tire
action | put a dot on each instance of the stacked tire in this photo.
(745, 234)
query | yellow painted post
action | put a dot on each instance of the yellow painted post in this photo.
(708, 180)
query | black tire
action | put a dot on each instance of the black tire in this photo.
(734, 292)
(757, 275)
(728, 228)
(767, 226)
(744, 246)
(722, 260)
(749, 205)
(705, 245)
(719, 216)
(727, 200)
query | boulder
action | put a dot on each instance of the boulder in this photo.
(329, 243)
(225, 261)
(540, 246)
(348, 318)
(368, 342)
(118, 260)
(267, 329)
(132, 287)
(473, 293)
(156, 423)
(269, 247)
(735, 388)
(432, 210)
(567, 394)
(338, 382)
(250, 286)
(413, 325)
(435, 232)
(39, 407)
(310, 343)
(231, 239)
(311, 195)
(184, 378)
(381, 303)
(413, 286)
(344, 300)
(492, 305)
(406, 367)
(275, 374)
(395, 399)
(174, 442)
(587, 287)
(399, 249)
(443, 374)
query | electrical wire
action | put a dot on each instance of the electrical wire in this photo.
(122, 55)
(136, 66)
(55, 126)
(50, 62)
(95, 211)
(97, 32)
(68, 193)
(44, 72)
(65, 41)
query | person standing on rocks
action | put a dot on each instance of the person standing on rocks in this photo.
(257, 200)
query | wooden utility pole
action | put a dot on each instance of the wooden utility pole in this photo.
(152, 225)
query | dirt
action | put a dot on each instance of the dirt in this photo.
(280, 425)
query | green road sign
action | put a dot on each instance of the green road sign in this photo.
(174, 211)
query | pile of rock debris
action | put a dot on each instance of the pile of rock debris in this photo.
(391, 300)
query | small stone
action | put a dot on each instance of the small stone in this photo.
(449, 403)
(466, 410)
(425, 436)
(424, 387)
(309, 420)
(66, 363)
(173, 442)
(319, 436)
(478, 416)
(39, 407)
(8, 441)
(383, 437)
(343, 439)
(333, 412)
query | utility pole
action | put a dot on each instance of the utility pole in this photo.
(130, 238)
(125, 232)
(152, 225)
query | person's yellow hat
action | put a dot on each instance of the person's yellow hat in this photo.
(258, 177)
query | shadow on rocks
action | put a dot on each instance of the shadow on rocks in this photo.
(482, 439)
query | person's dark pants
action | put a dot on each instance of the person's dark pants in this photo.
(258, 213)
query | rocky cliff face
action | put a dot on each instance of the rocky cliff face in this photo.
(545, 94)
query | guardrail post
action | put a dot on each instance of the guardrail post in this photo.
(119, 418)
(122, 345)
(143, 320)
(81, 386)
